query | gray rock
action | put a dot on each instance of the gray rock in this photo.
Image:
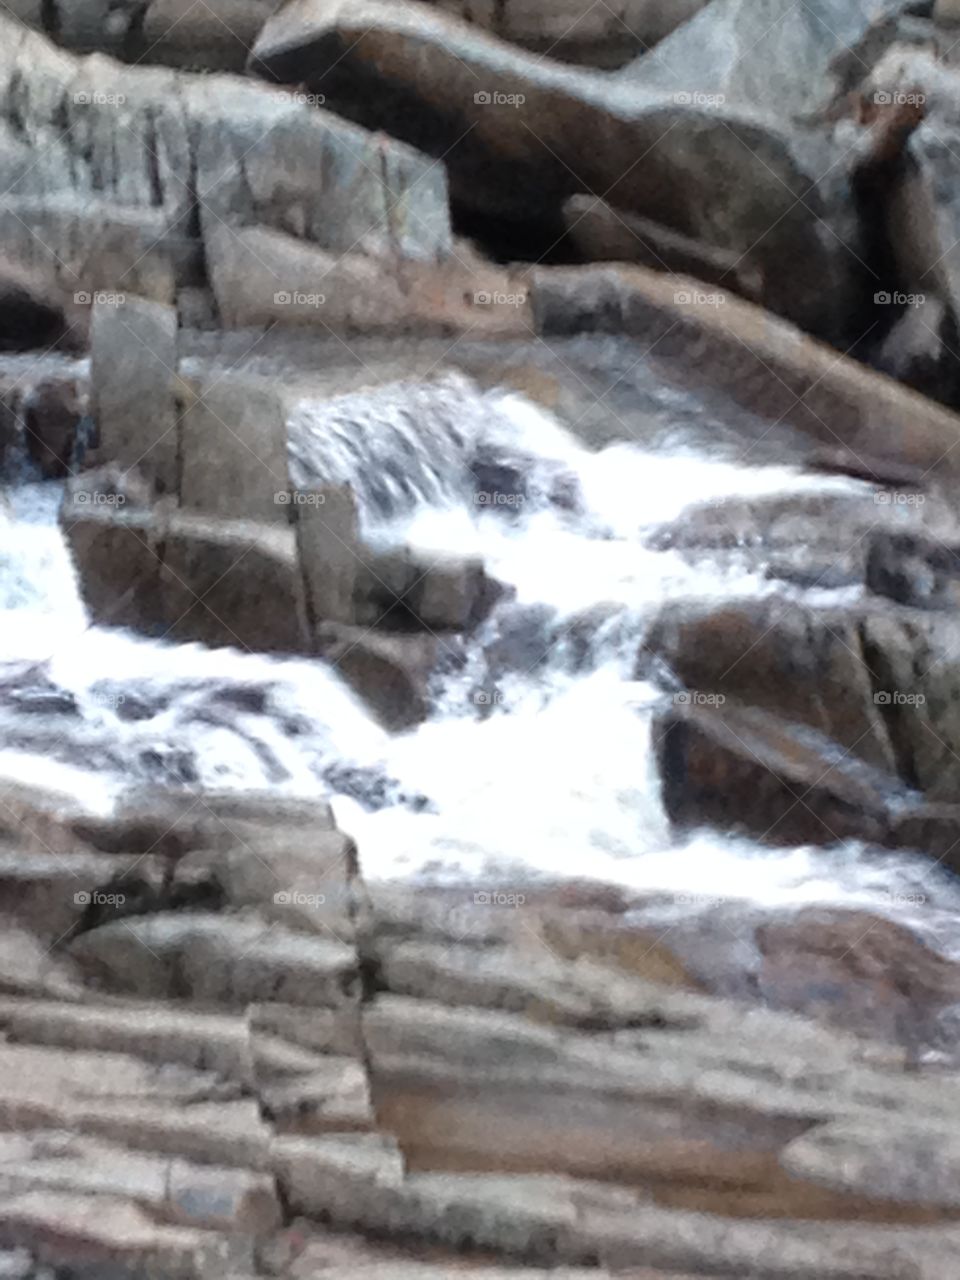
(134, 365)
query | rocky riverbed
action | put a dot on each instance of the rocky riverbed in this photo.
(479, 642)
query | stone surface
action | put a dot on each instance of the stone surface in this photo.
(233, 451)
(521, 134)
(134, 365)
(389, 671)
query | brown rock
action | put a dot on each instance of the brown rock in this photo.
(804, 665)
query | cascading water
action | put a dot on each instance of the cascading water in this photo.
(536, 759)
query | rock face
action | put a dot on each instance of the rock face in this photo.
(219, 1090)
(143, 171)
(504, 122)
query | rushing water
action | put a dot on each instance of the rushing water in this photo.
(536, 764)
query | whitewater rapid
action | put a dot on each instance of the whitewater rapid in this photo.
(545, 772)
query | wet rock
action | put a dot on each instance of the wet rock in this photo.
(388, 671)
(913, 570)
(426, 591)
(913, 657)
(805, 665)
(134, 361)
(52, 411)
(746, 770)
(763, 364)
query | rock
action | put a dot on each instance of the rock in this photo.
(106, 1230)
(913, 657)
(134, 363)
(217, 37)
(117, 556)
(860, 972)
(519, 135)
(771, 58)
(34, 313)
(603, 234)
(184, 1193)
(745, 770)
(388, 671)
(299, 881)
(206, 595)
(572, 34)
(233, 447)
(353, 292)
(105, 164)
(228, 959)
(178, 574)
(424, 591)
(330, 552)
(914, 571)
(804, 665)
(52, 410)
(763, 364)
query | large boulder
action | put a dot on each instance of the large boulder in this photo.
(520, 134)
(803, 664)
(791, 383)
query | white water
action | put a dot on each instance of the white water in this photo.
(552, 775)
